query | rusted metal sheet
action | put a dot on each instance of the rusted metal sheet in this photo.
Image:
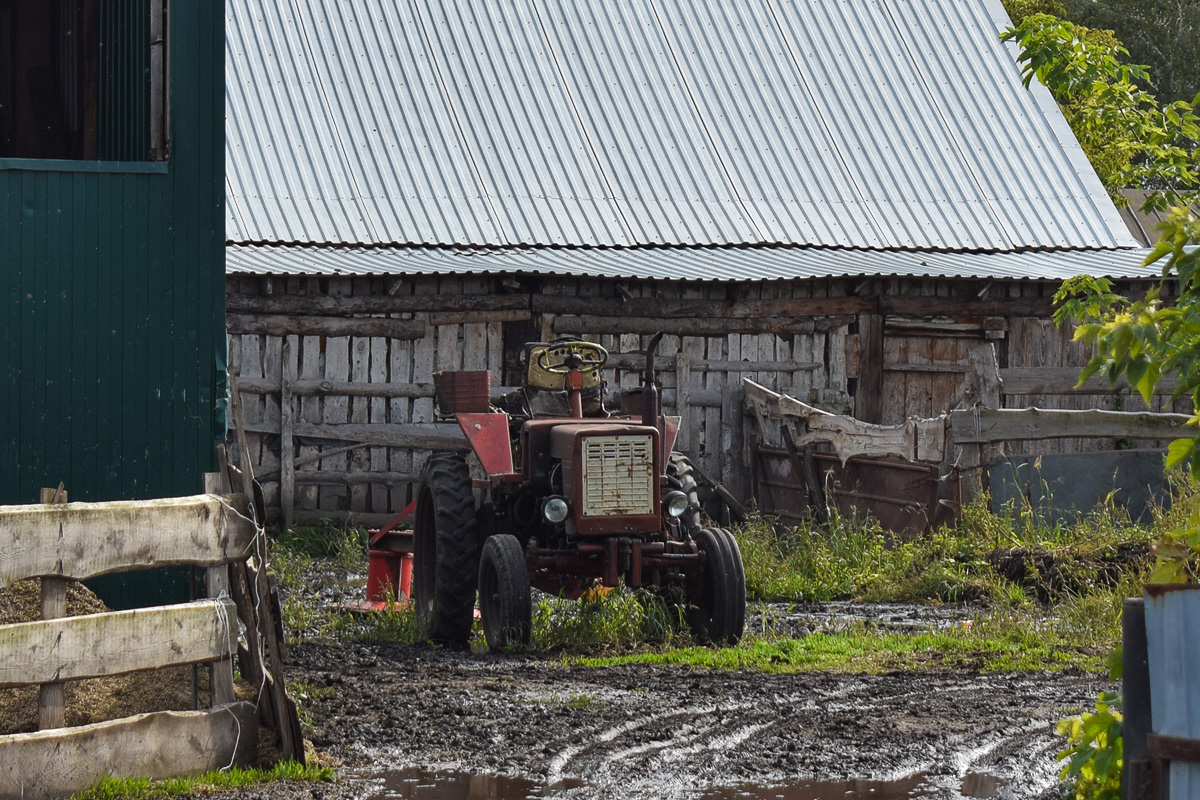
(901, 495)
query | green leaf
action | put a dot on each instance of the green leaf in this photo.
(1116, 663)
(1179, 451)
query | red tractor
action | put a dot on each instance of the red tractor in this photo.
(572, 497)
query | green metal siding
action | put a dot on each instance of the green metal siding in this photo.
(112, 317)
(124, 108)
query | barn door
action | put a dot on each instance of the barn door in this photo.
(911, 367)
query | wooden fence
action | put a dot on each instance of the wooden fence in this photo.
(82, 540)
(955, 450)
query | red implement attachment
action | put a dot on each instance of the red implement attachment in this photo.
(389, 565)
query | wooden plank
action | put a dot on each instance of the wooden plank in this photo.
(310, 407)
(868, 398)
(324, 387)
(399, 412)
(693, 326)
(272, 374)
(83, 540)
(669, 310)
(1063, 380)
(989, 425)
(335, 410)
(932, 306)
(361, 518)
(165, 744)
(287, 422)
(432, 435)
(688, 438)
(942, 369)
(424, 358)
(377, 460)
(114, 643)
(478, 317)
(355, 478)
(284, 325)
(373, 304)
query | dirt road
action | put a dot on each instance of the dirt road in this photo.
(668, 732)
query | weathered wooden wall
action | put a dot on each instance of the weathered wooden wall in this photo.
(882, 349)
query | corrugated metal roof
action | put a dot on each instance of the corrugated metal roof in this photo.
(733, 264)
(888, 124)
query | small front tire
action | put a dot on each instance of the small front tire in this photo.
(505, 608)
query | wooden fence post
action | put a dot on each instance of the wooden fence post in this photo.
(52, 704)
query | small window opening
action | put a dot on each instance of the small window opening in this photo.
(83, 79)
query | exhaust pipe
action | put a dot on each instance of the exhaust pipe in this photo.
(651, 408)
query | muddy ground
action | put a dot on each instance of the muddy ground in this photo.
(668, 732)
(419, 722)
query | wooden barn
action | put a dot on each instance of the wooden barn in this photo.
(835, 200)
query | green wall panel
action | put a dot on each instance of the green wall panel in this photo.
(112, 302)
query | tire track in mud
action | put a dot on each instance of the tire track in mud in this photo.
(667, 732)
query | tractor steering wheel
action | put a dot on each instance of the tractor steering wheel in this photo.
(559, 358)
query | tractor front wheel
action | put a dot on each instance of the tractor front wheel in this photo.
(445, 552)
(717, 598)
(505, 608)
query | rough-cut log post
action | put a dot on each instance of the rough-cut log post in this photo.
(52, 708)
(287, 719)
(220, 673)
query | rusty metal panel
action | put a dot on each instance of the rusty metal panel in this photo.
(901, 495)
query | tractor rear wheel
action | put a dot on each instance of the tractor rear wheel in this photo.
(505, 608)
(710, 596)
(682, 476)
(445, 552)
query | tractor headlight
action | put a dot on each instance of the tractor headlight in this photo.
(676, 503)
(555, 509)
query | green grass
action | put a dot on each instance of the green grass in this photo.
(1063, 611)
(849, 559)
(217, 780)
(989, 644)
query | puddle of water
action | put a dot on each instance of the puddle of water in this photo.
(419, 784)
(982, 785)
(902, 789)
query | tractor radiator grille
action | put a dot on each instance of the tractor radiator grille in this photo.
(618, 475)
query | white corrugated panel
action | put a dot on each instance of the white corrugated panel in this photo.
(704, 264)
(1172, 642)
(884, 124)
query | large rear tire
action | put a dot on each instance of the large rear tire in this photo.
(445, 551)
(709, 596)
(505, 608)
